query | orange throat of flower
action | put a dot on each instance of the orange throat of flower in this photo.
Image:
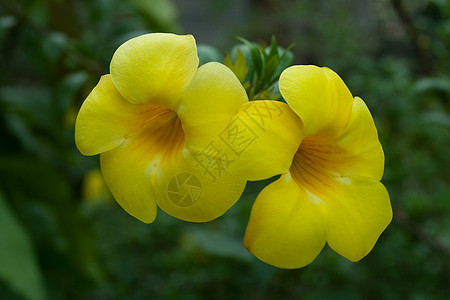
(314, 164)
(157, 133)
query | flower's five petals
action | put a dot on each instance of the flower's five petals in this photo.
(156, 121)
(286, 229)
(363, 152)
(209, 103)
(358, 210)
(262, 139)
(192, 189)
(130, 177)
(154, 68)
(130, 170)
(332, 191)
(103, 120)
(319, 97)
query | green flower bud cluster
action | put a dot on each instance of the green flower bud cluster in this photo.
(259, 68)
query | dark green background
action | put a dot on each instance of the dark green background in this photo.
(56, 243)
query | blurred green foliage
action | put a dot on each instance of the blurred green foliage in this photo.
(60, 242)
(258, 67)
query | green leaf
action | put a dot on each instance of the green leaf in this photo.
(241, 68)
(270, 68)
(273, 47)
(264, 67)
(160, 14)
(19, 268)
(208, 53)
(53, 45)
(27, 180)
(6, 23)
(218, 244)
(67, 89)
(436, 84)
(286, 59)
(33, 103)
(256, 56)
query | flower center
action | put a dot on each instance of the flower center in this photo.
(157, 133)
(315, 164)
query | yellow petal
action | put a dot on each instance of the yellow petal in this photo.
(363, 152)
(262, 139)
(358, 211)
(356, 151)
(286, 229)
(130, 180)
(209, 103)
(194, 188)
(130, 170)
(154, 68)
(319, 97)
(102, 121)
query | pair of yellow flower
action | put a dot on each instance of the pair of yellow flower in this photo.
(187, 139)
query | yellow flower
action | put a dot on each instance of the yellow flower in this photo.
(332, 160)
(94, 189)
(151, 118)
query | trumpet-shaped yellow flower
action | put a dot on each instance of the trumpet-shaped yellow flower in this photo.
(151, 118)
(331, 161)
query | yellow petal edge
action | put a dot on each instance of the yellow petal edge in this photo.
(332, 191)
